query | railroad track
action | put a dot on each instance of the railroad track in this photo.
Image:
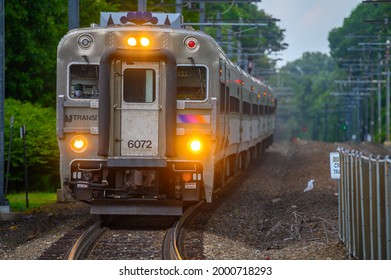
(173, 241)
(138, 241)
(86, 242)
(59, 249)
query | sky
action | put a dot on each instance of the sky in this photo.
(307, 23)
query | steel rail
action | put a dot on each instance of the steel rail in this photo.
(86, 242)
(171, 249)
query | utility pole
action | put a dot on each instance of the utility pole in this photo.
(178, 6)
(142, 5)
(379, 98)
(73, 14)
(388, 91)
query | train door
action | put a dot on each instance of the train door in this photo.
(140, 112)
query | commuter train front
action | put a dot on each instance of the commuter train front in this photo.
(152, 116)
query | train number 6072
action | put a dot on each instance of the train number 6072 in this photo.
(140, 144)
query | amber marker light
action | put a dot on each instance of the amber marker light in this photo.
(195, 146)
(79, 144)
(186, 177)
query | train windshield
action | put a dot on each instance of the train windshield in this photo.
(139, 85)
(191, 82)
(83, 80)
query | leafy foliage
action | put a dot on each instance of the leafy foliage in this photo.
(309, 78)
(357, 53)
(41, 146)
(367, 24)
(360, 49)
(33, 29)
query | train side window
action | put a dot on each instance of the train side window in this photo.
(227, 100)
(222, 98)
(234, 104)
(255, 109)
(191, 83)
(261, 110)
(83, 80)
(139, 85)
(246, 108)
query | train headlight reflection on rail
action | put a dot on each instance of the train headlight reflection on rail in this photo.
(195, 146)
(79, 144)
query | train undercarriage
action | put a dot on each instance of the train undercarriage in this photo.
(137, 190)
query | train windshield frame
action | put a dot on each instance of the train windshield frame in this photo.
(83, 81)
(192, 82)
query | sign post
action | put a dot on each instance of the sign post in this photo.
(335, 172)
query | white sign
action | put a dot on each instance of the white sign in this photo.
(335, 167)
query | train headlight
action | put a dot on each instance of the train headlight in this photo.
(85, 41)
(144, 41)
(132, 41)
(194, 146)
(79, 144)
(138, 41)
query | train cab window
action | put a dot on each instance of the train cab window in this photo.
(83, 80)
(139, 85)
(191, 83)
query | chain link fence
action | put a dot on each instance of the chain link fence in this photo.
(364, 205)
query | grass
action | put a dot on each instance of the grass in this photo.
(35, 200)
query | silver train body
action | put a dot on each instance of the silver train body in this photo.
(146, 130)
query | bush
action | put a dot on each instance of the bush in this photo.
(41, 146)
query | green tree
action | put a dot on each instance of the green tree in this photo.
(311, 81)
(359, 48)
(33, 29)
(367, 23)
(41, 146)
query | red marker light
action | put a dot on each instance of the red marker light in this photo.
(191, 43)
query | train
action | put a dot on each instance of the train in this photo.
(152, 116)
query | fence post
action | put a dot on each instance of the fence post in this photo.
(353, 204)
(372, 234)
(358, 206)
(380, 208)
(362, 208)
(340, 186)
(387, 178)
(342, 198)
(364, 205)
(347, 206)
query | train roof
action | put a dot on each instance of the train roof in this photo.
(159, 20)
(173, 20)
